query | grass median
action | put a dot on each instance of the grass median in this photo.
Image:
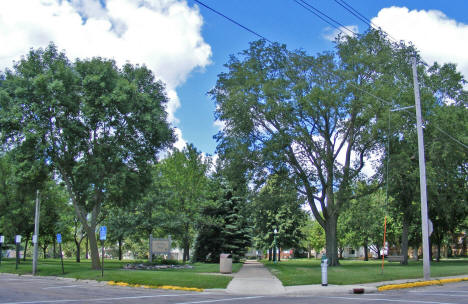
(200, 276)
(307, 272)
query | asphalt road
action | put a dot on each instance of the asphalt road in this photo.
(29, 290)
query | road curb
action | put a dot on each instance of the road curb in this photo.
(421, 283)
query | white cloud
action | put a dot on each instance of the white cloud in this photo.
(180, 142)
(220, 124)
(436, 36)
(165, 35)
(332, 34)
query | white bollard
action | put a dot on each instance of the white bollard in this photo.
(324, 272)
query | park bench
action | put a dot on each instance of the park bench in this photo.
(395, 258)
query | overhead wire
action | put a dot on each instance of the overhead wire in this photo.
(351, 84)
(319, 14)
(361, 17)
(232, 20)
(364, 19)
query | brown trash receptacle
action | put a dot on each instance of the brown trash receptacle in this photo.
(225, 263)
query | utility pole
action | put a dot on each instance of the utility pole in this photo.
(422, 176)
(36, 232)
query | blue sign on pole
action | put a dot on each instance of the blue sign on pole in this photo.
(59, 238)
(103, 233)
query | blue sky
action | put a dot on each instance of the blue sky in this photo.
(278, 20)
(186, 45)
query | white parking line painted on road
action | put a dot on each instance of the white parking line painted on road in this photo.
(388, 300)
(444, 295)
(36, 280)
(64, 286)
(100, 299)
(455, 291)
(222, 300)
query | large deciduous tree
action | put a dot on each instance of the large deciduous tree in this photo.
(97, 125)
(183, 186)
(308, 114)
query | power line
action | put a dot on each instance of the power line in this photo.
(319, 14)
(450, 136)
(364, 19)
(355, 13)
(329, 73)
(233, 21)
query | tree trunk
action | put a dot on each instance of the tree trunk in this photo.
(270, 254)
(331, 240)
(93, 245)
(55, 248)
(87, 247)
(44, 251)
(464, 241)
(78, 258)
(404, 241)
(438, 251)
(120, 249)
(186, 255)
(90, 228)
(415, 253)
(279, 254)
(430, 249)
(366, 255)
(379, 256)
(25, 247)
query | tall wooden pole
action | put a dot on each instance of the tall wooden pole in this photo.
(422, 176)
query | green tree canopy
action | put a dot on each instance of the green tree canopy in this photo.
(97, 125)
(183, 184)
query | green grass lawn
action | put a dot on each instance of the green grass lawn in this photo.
(305, 272)
(113, 272)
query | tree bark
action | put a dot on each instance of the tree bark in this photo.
(464, 241)
(279, 254)
(331, 240)
(430, 249)
(379, 256)
(93, 245)
(54, 243)
(186, 255)
(87, 247)
(404, 241)
(270, 254)
(415, 253)
(120, 249)
(25, 247)
(366, 255)
(90, 227)
(438, 251)
(78, 258)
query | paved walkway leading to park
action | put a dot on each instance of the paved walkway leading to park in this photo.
(255, 279)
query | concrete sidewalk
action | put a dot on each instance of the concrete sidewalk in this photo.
(255, 279)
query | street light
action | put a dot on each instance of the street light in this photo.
(274, 248)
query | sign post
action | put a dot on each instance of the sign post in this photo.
(2, 239)
(102, 237)
(17, 241)
(59, 241)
